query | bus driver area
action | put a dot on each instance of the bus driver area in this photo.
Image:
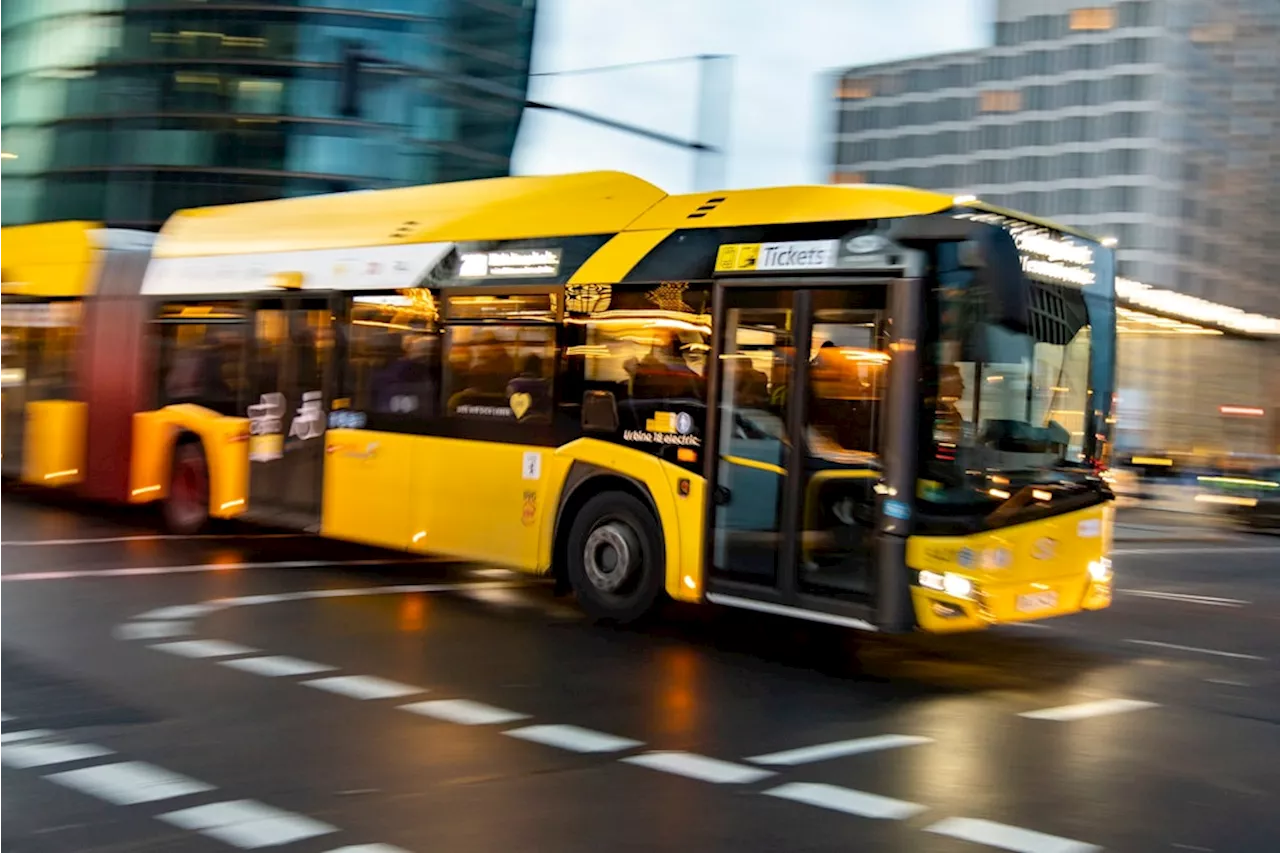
(876, 407)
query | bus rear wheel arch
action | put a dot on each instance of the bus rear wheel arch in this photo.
(613, 556)
(186, 508)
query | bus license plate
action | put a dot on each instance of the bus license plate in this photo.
(1037, 601)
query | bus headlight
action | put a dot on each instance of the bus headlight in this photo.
(1100, 570)
(955, 585)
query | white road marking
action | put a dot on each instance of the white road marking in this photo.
(1248, 549)
(1210, 600)
(699, 767)
(25, 734)
(1229, 682)
(151, 630)
(838, 749)
(369, 848)
(155, 537)
(276, 666)
(1007, 837)
(135, 571)
(1083, 710)
(364, 687)
(25, 755)
(847, 800)
(204, 648)
(1157, 644)
(179, 611)
(5, 718)
(247, 824)
(463, 711)
(574, 738)
(129, 782)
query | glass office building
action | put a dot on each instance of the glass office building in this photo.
(126, 110)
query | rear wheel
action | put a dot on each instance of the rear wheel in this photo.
(186, 509)
(615, 559)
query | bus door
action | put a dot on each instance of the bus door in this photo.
(799, 446)
(292, 366)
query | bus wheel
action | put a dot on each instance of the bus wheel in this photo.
(616, 564)
(186, 510)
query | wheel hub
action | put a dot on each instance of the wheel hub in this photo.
(612, 554)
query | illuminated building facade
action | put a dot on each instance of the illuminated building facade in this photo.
(123, 111)
(1150, 121)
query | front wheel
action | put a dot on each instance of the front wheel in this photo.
(186, 509)
(616, 562)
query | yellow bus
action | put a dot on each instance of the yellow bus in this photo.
(869, 406)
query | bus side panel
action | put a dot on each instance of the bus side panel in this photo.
(484, 500)
(680, 518)
(226, 447)
(368, 486)
(53, 443)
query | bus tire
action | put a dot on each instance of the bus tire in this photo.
(615, 559)
(186, 509)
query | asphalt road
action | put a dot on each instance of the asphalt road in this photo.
(182, 694)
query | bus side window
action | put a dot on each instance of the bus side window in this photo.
(393, 357)
(500, 372)
(200, 357)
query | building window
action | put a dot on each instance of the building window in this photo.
(855, 89)
(1096, 18)
(1135, 14)
(1000, 101)
(1132, 50)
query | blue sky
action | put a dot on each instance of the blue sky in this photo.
(774, 117)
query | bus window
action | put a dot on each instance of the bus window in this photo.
(39, 353)
(501, 372)
(848, 369)
(201, 356)
(393, 361)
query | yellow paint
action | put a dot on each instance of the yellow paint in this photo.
(737, 257)
(54, 442)
(619, 256)
(226, 451)
(756, 464)
(473, 500)
(513, 208)
(779, 205)
(368, 486)
(51, 259)
(1065, 572)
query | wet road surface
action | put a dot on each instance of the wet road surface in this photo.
(264, 691)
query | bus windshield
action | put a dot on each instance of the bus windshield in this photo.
(1013, 405)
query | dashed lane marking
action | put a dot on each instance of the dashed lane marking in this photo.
(699, 767)
(129, 783)
(1083, 710)
(205, 648)
(1007, 837)
(152, 630)
(839, 749)
(369, 848)
(27, 755)
(1195, 649)
(364, 687)
(277, 666)
(247, 824)
(574, 738)
(847, 800)
(1147, 552)
(464, 711)
(25, 734)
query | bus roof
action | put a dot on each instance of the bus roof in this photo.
(49, 259)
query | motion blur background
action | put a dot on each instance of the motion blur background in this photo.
(1152, 122)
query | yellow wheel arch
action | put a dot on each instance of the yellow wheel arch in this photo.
(226, 449)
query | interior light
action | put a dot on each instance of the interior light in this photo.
(1041, 495)
(998, 493)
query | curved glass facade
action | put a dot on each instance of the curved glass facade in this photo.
(126, 110)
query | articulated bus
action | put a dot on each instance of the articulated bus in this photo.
(868, 406)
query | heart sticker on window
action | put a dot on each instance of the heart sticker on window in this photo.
(520, 404)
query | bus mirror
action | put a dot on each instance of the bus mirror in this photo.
(599, 412)
(999, 277)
